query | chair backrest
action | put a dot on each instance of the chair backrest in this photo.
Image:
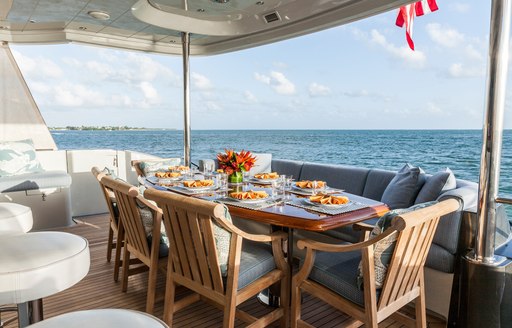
(192, 238)
(128, 202)
(142, 166)
(415, 233)
(110, 198)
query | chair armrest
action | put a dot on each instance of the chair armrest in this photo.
(325, 247)
(275, 236)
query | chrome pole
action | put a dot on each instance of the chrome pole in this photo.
(492, 131)
(185, 39)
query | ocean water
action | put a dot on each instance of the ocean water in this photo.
(432, 150)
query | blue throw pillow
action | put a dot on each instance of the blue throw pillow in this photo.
(435, 185)
(383, 249)
(404, 187)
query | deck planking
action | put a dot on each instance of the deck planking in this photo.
(98, 290)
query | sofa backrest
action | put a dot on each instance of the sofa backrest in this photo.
(349, 178)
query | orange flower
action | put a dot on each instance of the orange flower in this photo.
(232, 161)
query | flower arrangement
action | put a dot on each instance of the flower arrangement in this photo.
(232, 161)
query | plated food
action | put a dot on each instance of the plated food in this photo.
(167, 175)
(266, 176)
(250, 195)
(307, 184)
(198, 183)
(179, 168)
(328, 199)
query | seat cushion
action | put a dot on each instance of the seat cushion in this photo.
(15, 218)
(351, 179)
(18, 157)
(435, 185)
(256, 261)
(338, 272)
(102, 318)
(404, 187)
(38, 264)
(288, 167)
(34, 181)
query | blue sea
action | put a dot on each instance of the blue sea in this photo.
(433, 150)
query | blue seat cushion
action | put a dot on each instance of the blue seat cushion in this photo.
(338, 272)
(256, 261)
(35, 181)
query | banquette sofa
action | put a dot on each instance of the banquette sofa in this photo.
(33, 179)
(454, 233)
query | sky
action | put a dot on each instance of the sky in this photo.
(357, 76)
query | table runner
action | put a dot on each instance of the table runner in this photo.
(353, 206)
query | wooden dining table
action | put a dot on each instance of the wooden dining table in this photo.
(283, 215)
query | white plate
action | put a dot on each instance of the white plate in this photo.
(249, 201)
(302, 189)
(326, 206)
(263, 181)
(199, 188)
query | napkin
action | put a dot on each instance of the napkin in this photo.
(309, 184)
(329, 200)
(197, 183)
(266, 176)
(248, 194)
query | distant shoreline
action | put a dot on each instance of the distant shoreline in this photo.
(104, 128)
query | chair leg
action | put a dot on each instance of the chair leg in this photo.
(229, 311)
(126, 268)
(109, 243)
(421, 313)
(150, 301)
(295, 305)
(119, 246)
(170, 293)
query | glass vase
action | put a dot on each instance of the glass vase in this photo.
(236, 177)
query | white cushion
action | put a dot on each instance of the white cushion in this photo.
(262, 164)
(102, 318)
(38, 264)
(15, 218)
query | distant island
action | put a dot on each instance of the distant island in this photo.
(101, 128)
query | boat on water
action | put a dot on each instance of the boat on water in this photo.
(207, 27)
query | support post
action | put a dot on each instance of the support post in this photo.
(492, 130)
(185, 38)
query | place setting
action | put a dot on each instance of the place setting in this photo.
(331, 204)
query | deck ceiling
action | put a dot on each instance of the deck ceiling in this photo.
(216, 26)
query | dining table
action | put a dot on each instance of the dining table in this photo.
(290, 211)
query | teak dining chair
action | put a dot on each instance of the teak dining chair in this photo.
(328, 271)
(136, 242)
(115, 226)
(252, 263)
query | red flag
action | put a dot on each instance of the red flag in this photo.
(407, 13)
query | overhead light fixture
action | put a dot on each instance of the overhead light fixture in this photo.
(200, 10)
(82, 28)
(259, 3)
(99, 15)
(32, 21)
(221, 1)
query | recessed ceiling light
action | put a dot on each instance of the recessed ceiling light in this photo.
(221, 1)
(201, 10)
(99, 15)
(82, 28)
(259, 3)
(4, 27)
(32, 21)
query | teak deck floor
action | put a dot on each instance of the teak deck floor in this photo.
(98, 290)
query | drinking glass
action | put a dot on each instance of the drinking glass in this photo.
(314, 184)
(222, 181)
(246, 176)
(277, 188)
(208, 169)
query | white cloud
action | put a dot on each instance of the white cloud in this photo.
(262, 78)
(318, 90)
(213, 106)
(76, 95)
(150, 94)
(201, 82)
(100, 70)
(278, 82)
(445, 36)
(250, 97)
(38, 66)
(415, 58)
(458, 70)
